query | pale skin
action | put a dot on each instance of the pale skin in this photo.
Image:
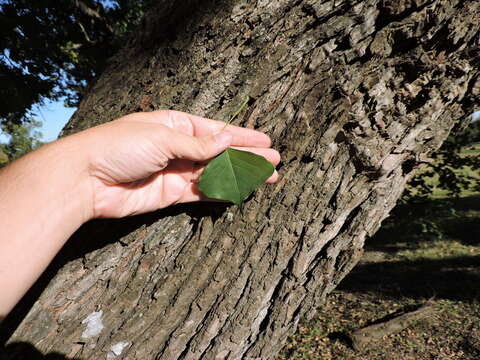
(136, 164)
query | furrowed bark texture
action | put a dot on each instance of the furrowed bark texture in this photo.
(354, 93)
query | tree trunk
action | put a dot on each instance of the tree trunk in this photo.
(355, 95)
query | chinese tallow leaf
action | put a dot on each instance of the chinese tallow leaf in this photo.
(234, 175)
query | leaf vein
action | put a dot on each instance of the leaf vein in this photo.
(229, 162)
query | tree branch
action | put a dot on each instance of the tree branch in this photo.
(88, 11)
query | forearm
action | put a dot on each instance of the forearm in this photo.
(43, 200)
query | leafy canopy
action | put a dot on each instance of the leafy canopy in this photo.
(52, 49)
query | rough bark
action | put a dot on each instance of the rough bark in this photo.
(354, 93)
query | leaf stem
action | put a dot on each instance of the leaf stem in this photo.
(238, 111)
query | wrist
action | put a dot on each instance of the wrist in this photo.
(69, 158)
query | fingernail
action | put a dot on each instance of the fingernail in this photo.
(223, 138)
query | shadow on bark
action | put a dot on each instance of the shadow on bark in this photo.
(99, 233)
(453, 278)
(26, 351)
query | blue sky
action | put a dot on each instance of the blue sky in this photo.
(476, 116)
(53, 116)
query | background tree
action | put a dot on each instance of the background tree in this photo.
(23, 138)
(459, 152)
(3, 158)
(355, 96)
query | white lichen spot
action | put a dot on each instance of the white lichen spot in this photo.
(94, 324)
(117, 349)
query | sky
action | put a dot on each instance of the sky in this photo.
(476, 116)
(53, 116)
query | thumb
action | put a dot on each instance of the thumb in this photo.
(199, 148)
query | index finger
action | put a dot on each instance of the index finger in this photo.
(200, 126)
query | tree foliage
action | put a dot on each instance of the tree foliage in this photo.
(452, 168)
(52, 49)
(23, 138)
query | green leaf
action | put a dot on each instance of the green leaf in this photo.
(234, 175)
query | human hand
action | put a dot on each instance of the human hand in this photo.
(146, 161)
(138, 163)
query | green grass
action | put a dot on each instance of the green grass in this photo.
(439, 250)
